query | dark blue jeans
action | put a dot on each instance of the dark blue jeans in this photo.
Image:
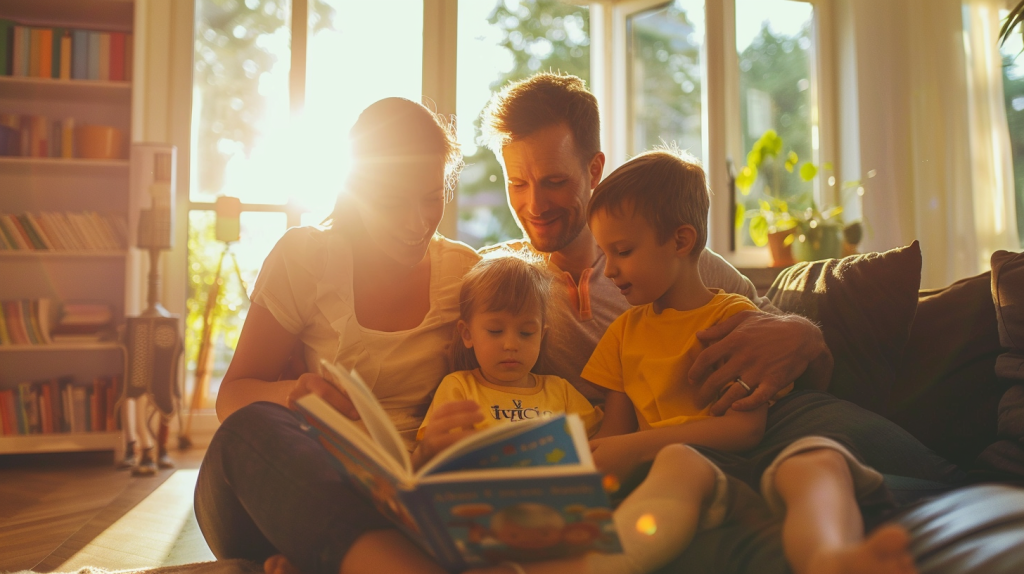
(752, 544)
(265, 487)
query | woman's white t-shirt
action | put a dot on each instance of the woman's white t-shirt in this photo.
(306, 283)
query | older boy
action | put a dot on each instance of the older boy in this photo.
(649, 218)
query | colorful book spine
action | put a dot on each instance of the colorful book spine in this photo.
(20, 51)
(6, 46)
(35, 39)
(5, 337)
(79, 55)
(94, 55)
(117, 56)
(45, 69)
(64, 72)
(129, 57)
(104, 58)
(55, 36)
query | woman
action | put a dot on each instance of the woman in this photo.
(376, 291)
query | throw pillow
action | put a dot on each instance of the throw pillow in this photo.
(1008, 296)
(946, 391)
(865, 305)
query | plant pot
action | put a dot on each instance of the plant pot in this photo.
(782, 254)
(822, 242)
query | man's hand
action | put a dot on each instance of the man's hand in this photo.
(448, 424)
(312, 383)
(766, 351)
(617, 455)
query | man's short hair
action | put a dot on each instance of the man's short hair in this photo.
(540, 101)
(667, 187)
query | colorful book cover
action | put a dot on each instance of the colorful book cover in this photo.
(79, 55)
(94, 56)
(6, 46)
(45, 52)
(64, 71)
(104, 57)
(522, 491)
(117, 56)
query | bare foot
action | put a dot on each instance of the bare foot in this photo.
(278, 564)
(884, 552)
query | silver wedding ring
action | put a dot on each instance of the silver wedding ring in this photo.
(744, 385)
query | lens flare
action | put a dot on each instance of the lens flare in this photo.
(646, 525)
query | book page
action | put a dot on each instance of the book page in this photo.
(325, 419)
(376, 420)
(556, 441)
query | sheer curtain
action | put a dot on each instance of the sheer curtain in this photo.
(995, 217)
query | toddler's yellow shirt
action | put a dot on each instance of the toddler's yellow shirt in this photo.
(648, 356)
(548, 396)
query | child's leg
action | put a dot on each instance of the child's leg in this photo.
(375, 551)
(683, 493)
(817, 481)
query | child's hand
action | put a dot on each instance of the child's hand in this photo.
(616, 455)
(312, 383)
(448, 424)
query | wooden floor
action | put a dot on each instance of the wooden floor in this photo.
(60, 512)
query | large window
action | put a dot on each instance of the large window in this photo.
(278, 84)
(253, 143)
(1013, 87)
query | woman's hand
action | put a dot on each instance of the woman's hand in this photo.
(310, 383)
(617, 455)
(448, 424)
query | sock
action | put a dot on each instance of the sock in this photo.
(659, 519)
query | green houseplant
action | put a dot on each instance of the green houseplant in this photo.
(1014, 20)
(795, 223)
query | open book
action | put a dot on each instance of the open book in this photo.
(522, 491)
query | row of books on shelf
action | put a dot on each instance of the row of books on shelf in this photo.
(63, 231)
(38, 136)
(59, 405)
(41, 322)
(64, 53)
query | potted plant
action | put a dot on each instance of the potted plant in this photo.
(1014, 20)
(794, 228)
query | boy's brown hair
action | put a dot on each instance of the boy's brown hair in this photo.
(541, 101)
(667, 187)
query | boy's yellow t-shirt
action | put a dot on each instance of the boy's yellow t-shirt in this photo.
(648, 356)
(548, 396)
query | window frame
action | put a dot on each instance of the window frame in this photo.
(720, 107)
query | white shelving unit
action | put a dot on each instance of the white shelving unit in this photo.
(68, 185)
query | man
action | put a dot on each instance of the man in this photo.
(545, 132)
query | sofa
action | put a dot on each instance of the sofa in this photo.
(947, 365)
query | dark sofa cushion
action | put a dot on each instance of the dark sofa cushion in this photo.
(1008, 297)
(865, 305)
(946, 392)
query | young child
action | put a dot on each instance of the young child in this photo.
(497, 341)
(650, 219)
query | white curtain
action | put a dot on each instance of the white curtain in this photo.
(995, 217)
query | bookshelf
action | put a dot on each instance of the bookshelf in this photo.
(35, 184)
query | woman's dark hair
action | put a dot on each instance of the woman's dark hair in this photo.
(393, 131)
(505, 280)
